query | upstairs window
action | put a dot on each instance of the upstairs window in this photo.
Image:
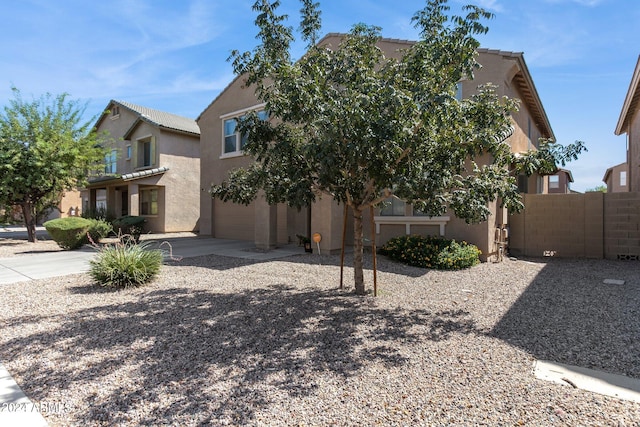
(459, 91)
(233, 142)
(623, 178)
(110, 162)
(554, 181)
(146, 152)
(393, 207)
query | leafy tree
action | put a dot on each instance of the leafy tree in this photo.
(45, 149)
(350, 123)
(599, 188)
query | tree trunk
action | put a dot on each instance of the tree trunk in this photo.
(29, 220)
(357, 251)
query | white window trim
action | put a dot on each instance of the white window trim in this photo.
(412, 220)
(128, 148)
(231, 115)
(243, 111)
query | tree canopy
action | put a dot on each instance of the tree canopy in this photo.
(45, 149)
(351, 123)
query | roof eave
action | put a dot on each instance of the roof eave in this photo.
(632, 93)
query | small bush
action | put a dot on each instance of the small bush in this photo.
(98, 213)
(125, 264)
(130, 225)
(99, 229)
(431, 252)
(68, 233)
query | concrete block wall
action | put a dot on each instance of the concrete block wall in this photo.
(622, 228)
(590, 225)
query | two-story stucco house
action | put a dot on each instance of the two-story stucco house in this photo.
(629, 124)
(152, 168)
(221, 151)
(560, 182)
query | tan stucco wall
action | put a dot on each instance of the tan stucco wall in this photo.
(633, 152)
(71, 204)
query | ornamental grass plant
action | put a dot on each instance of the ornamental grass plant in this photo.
(431, 252)
(126, 264)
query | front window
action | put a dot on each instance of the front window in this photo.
(233, 141)
(149, 201)
(623, 178)
(393, 207)
(554, 181)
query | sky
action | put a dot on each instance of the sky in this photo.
(172, 55)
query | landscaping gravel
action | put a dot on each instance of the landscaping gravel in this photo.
(224, 341)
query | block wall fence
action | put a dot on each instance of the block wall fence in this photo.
(590, 225)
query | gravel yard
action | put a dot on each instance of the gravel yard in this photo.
(222, 341)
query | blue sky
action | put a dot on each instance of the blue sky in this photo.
(171, 55)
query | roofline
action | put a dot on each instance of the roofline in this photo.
(140, 118)
(519, 56)
(632, 92)
(610, 170)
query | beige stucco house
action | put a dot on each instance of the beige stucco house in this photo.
(152, 168)
(629, 124)
(221, 151)
(616, 178)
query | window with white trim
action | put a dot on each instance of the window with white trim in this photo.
(233, 142)
(623, 178)
(554, 181)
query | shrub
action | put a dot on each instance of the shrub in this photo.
(99, 229)
(130, 225)
(98, 213)
(431, 252)
(68, 233)
(125, 264)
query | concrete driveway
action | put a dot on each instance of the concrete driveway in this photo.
(53, 264)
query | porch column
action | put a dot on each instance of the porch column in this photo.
(326, 219)
(266, 224)
(134, 200)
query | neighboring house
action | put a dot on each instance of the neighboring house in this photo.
(616, 178)
(152, 168)
(560, 182)
(221, 151)
(629, 123)
(70, 205)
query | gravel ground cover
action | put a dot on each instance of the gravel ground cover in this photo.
(224, 341)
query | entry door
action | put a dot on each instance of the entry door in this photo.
(125, 203)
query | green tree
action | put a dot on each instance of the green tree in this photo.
(599, 188)
(350, 123)
(45, 149)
